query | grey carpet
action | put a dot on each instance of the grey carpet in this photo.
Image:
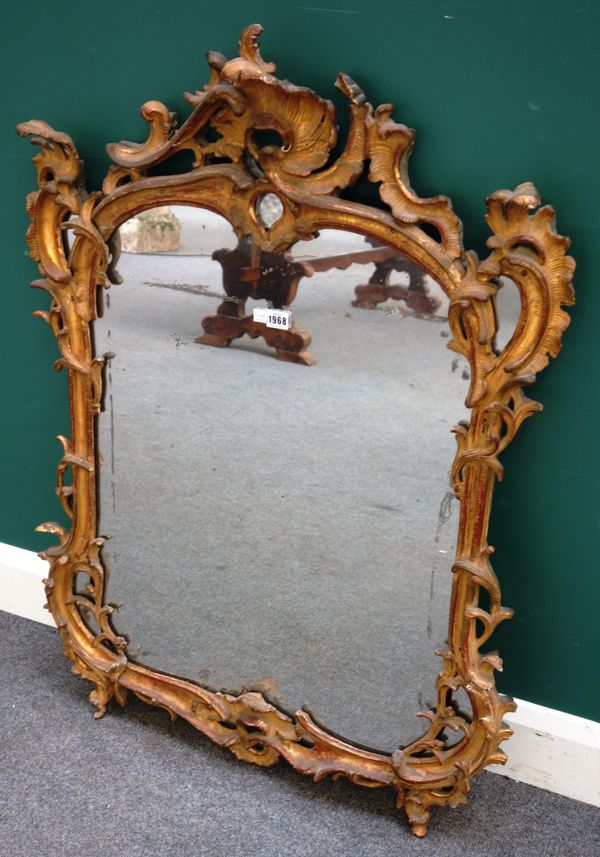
(278, 520)
(135, 785)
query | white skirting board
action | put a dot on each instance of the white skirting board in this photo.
(21, 587)
(553, 750)
(549, 749)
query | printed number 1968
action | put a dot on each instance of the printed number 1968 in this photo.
(279, 318)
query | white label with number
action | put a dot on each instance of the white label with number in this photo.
(279, 318)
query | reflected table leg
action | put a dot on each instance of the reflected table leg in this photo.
(251, 273)
(379, 288)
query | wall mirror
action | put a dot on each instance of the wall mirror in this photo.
(287, 412)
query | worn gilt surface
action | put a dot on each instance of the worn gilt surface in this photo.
(230, 171)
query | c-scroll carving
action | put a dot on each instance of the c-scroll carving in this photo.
(243, 97)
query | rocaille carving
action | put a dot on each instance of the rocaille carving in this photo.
(243, 96)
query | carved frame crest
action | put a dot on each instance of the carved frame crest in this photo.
(229, 173)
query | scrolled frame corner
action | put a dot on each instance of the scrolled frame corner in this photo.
(243, 96)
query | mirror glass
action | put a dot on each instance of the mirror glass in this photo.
(508, 306)
(282, 527)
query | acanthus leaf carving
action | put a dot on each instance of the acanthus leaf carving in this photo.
(243, 97)
(527, 249)
(165, 140)
(61, 193)
(389, 148)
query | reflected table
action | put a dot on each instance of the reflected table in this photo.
(249, 272)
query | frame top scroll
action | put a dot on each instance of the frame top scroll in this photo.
(242, 97)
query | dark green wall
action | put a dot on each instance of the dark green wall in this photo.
(500, 92)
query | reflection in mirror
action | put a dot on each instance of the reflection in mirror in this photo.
(508, 307)
(269, 209)
(279, 527)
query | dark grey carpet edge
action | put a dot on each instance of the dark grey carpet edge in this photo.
(135, 784)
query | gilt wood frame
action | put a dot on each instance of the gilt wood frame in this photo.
(243, 95)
